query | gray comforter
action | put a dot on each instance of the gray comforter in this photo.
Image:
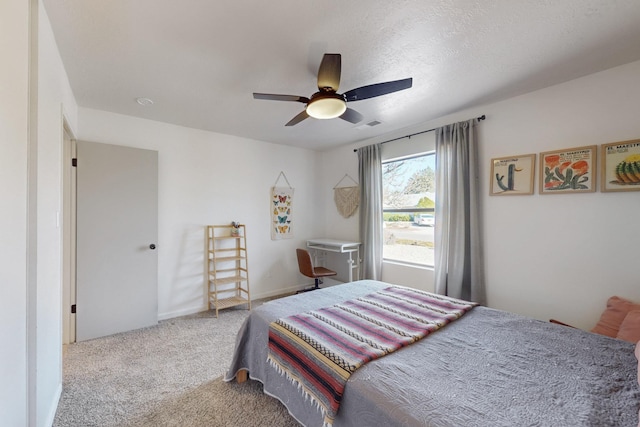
(489, 368)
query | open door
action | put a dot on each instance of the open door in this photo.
(117, 228)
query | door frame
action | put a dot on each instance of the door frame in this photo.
(68, 234)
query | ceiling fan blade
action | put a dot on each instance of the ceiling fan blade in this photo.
(377, 89)
(297, 119)
(329, 71)
(352, 116)
(274, 97)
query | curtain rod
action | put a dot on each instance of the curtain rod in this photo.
(482, 117)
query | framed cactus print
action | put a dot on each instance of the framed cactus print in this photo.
(568, 171)
(621, 166)
(512, 176)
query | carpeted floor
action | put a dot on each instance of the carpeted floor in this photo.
(218, 404)
(165, 375)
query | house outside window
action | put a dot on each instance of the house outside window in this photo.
(409, 209)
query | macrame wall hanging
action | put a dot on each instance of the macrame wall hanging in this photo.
(347, 198)
(281, 205)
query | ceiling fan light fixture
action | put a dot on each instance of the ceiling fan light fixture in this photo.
(326, 106)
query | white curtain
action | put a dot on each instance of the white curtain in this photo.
(370, 174)
(458, 249)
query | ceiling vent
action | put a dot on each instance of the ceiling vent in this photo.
(369, 125)
(145, 102)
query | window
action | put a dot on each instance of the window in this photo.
(409, 209)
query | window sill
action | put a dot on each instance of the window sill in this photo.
(408, 264)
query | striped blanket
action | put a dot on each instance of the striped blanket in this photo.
(319, 350)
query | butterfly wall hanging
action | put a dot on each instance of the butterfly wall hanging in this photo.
(281, 210)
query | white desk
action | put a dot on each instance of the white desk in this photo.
(340, 246)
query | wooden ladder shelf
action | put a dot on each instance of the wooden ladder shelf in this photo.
(227, 270)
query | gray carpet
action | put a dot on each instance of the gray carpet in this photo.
(165, 375)
(218, 404)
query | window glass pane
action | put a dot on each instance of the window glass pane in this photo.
(408, 209)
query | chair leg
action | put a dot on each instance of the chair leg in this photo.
(317, 286)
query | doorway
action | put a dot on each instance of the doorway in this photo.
(68, 237)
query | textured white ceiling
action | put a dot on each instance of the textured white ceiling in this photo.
(201, 60)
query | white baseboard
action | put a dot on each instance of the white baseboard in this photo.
(269, 294)
(54, 406)
(276, 292)
(183, 312)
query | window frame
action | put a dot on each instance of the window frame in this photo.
(412, 210)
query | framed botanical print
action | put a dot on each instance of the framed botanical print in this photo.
(513, 175)
(570, 170)
(621, 166)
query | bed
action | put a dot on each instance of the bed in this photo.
(488, 368)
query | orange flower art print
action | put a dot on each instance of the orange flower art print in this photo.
(568, 170)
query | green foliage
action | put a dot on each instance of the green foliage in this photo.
(395, 217)
(426, 202)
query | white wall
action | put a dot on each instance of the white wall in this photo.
(208, 178)
(31, 131)
(562, 255)
(14, 51)
(55, 99)
(546, 256)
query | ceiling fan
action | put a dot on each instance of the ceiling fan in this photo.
(327, 103)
